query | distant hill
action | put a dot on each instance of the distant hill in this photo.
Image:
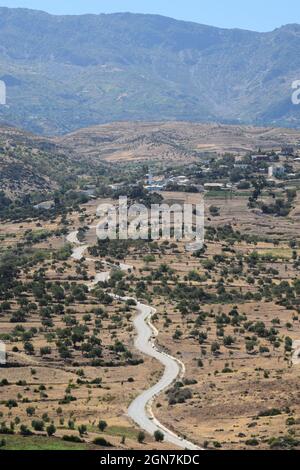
(176, 142)
(67, 72)
(35, 163)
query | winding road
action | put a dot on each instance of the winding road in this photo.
(140, 410)
(80, 249)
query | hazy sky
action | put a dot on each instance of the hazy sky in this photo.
(259, 15)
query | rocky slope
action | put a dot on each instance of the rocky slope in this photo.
(68, 72)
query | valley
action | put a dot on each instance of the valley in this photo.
(221, 369)
(149, 232)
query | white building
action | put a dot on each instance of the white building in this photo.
(270, 172)
(2, 353)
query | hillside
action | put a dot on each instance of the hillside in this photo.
(31, 163)
(171, 141)
(67, 72)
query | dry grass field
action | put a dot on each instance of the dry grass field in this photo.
(241, 389)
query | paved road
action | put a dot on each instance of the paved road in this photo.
(140, 410)
(73, 237)
(77, 252)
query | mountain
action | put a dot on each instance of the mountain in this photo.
(67, 72)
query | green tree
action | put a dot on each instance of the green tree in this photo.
(141, 437)
(159, 436)
(51, 429)
(102, 425)
(82, 429)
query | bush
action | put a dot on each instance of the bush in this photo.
(4, 382)
(5, 430)
(214, 211)
(291, 422)
(30, 411)
(252, 442)
(102, 425)
(141, 437)
(11, 404)
(25, 431)
(45, 351)
(217, 445)
(37, 425)
(215, 347)
(82, 429)
(179, 395)
(100, 441)
(51, 430)
(159, 436)
(284, 442)
(269, 413)
(72, 439)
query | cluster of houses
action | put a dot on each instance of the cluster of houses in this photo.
(160, 183)
(278, 165)
(277, 162)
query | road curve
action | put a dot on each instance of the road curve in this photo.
(72, 237)
(77, 253)
(140, 410)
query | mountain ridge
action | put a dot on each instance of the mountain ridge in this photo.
(68, 72)
(132, 14)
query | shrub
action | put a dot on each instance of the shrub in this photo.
(82, 429)
(215, 347)
(217, 445)
(5, 430)
(37, 425)
(159, 436)
(252, 442)
(102, 425)
(25, 431)
(271, 412)
(45, 351)
(290, 422)
(51, 430)
(178, 394)
(141, 437)
(11, 404)
(100, 441)
(30, 411)
(72, 439)
(4, 382)
(283, 442)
